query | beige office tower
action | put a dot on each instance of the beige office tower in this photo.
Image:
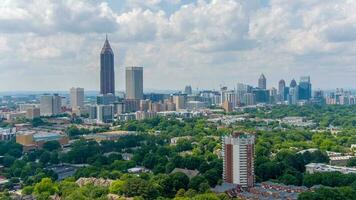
(134, 83)
(76, 98)
(170, 106)
(227, 106)
(144, 105)
(32, 113)
(180, 102)
(156, 107)
(238, 159)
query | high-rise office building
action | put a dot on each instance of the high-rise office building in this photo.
(318, 97)
(223, 90)
(92, 109)
(238, 159)
(144, 105)
(77, 98)
(105, 113)
(305, 88)
(134, 83)
(262, 82)
(249, 99)
(46, 105)
(105, 99)
(131, 105)
(227, 106)
(273, 95)
(230, 96)
(293, 84)
(188, 90)
(32, 113)
(286, 93)
(107, 73)
(281, 89)
(293, 95)
(57, 104)
(180, 101)
(241, 90)
(261, 95)
(50, 105)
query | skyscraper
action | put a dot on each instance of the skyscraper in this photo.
(241, 90)
(188, 90)
(57, 104)
(261, 95)
(249, 99)
(281, 89)
(273, 95)
(134, 83)
(107, 74)
(305, 88)
(262, 82)
(105, 113)
(180, 101)
(223, 90)
(50, 104)
(77, 98)
(238, 159)
(293, 84)
(293, 93)
(46, 105)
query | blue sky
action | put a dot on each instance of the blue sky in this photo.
(54, 45)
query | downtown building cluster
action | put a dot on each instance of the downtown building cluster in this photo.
(247, 95)
(135, 104)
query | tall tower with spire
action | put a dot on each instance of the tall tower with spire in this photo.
(262, 82)
(107, 73)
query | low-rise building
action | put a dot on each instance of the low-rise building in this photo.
(297, 121)
(11, 116)
(262, 191)
(340, 160)
(127, 156)
(111, 135)
(141, 115)
(7, 134)
(32, 139)
(126, 117)
(63, 170)
(136, 170)
(94, 181)
(196, 105)
(320, 168)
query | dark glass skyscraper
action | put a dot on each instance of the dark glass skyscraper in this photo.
(305, 88)
(107, 74)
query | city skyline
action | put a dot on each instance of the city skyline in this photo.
(167, 43)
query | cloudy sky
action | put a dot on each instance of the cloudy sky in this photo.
(54, 45)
